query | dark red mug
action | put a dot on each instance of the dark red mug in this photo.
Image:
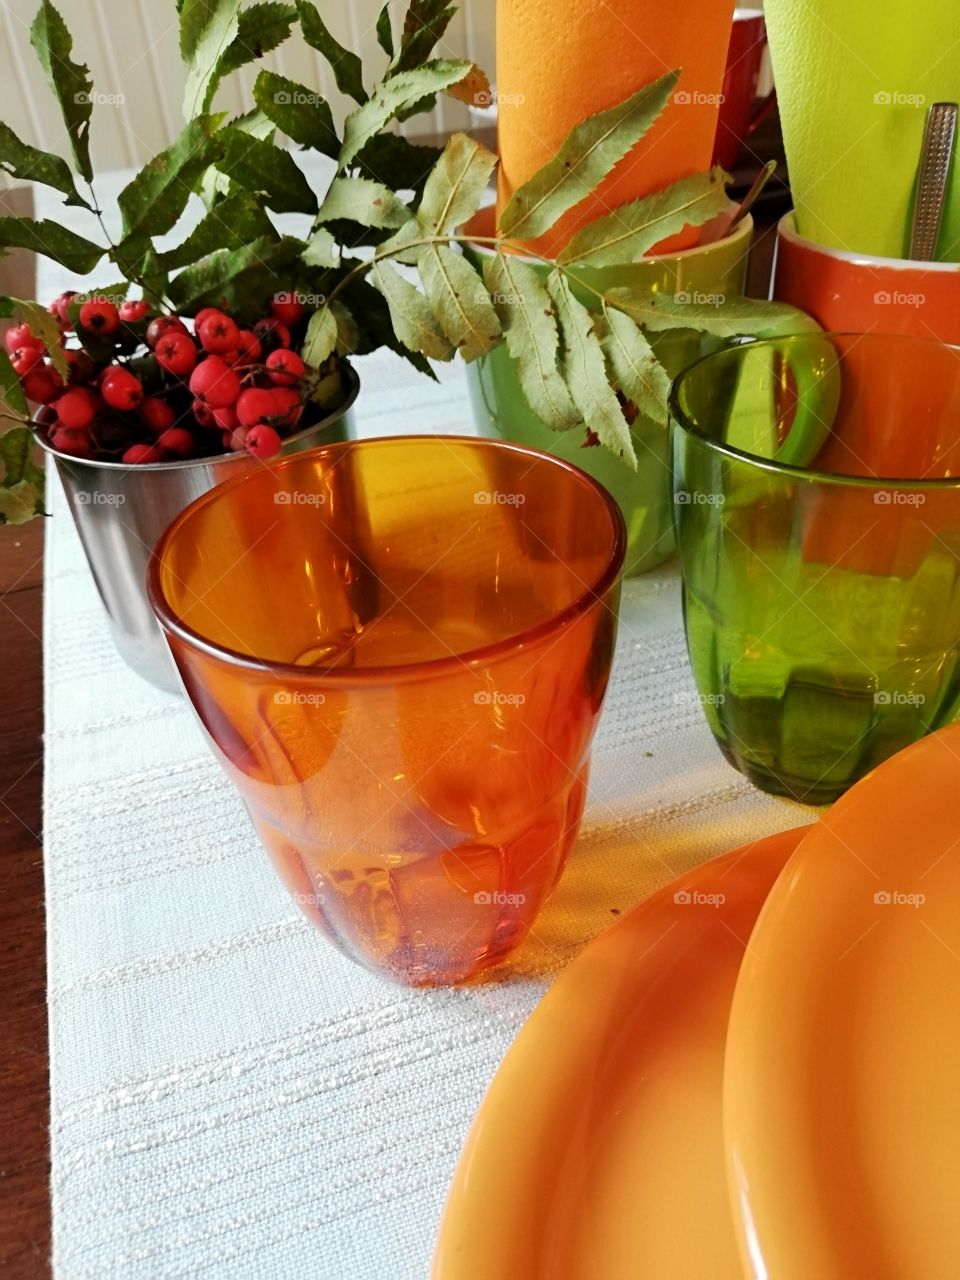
(741, 111)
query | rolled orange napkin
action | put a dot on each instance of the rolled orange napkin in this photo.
(559, 61)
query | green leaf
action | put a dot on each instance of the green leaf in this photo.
(42, 325)
(268, 170)
(391, 97)
(715, 313)
(376, 326)
(298, 112)
(321, 250)
(242, 280)
(530, 329)
(21, 480)
(151, 204)
(348, 331)
(636, 370)
(69, 81)
(207, 45)
(413, 321)
(585, 372)
(590, 151)
(459, 300)
(28, 164)
(10, 389)
(397, 163)
(408, 235)
(627, 233)
(455, 185)
(321, 338)
(363, 201)
(425, 23)
(346, 66)
(53, 241)
(385, 31)
(230, 224)
(262, 28)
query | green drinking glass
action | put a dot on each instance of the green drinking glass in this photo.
(817, 512)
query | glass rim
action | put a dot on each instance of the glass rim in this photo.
(790, 469)
(589, 596)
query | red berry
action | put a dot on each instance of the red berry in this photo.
(218, 333)
(60, 307)
(157, 414)
(214, 383)
(175, 352)
(286, 368)
(120, 388)
(254, 405)
(160, 325)
(27, 357)
(262, 441)
(203, 313)
(42, 384)
(250, 350)
(226, 418)
(272, 334)
(17, 336)
(81, 367)
(289, 405)
(72, 440)
(142, 453)
(237, 440)
(286, 309)
(134, 310)
(74, 409)
(203, 413)
(177, 441)
(99, 315)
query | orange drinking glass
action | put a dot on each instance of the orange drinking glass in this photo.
(399, 649)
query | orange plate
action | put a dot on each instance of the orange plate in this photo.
(842, 1083)
(598, 1150)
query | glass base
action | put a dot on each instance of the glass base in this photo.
(801, 789)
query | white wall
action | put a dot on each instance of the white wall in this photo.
(132, 49)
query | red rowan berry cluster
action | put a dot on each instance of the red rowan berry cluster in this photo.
(145, 388)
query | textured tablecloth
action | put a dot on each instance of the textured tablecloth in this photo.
(230, 1096)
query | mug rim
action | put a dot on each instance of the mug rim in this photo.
(787, 230)
(393, 672)
(680, 419)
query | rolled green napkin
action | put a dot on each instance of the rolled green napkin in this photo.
(854, 81)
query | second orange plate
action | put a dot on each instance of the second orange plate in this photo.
(598, 1150)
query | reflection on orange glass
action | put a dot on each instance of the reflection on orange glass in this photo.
(399, 650)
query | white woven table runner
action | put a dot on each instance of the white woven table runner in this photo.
(230, 1096)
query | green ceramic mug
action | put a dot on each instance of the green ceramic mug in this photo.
(500, 408)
